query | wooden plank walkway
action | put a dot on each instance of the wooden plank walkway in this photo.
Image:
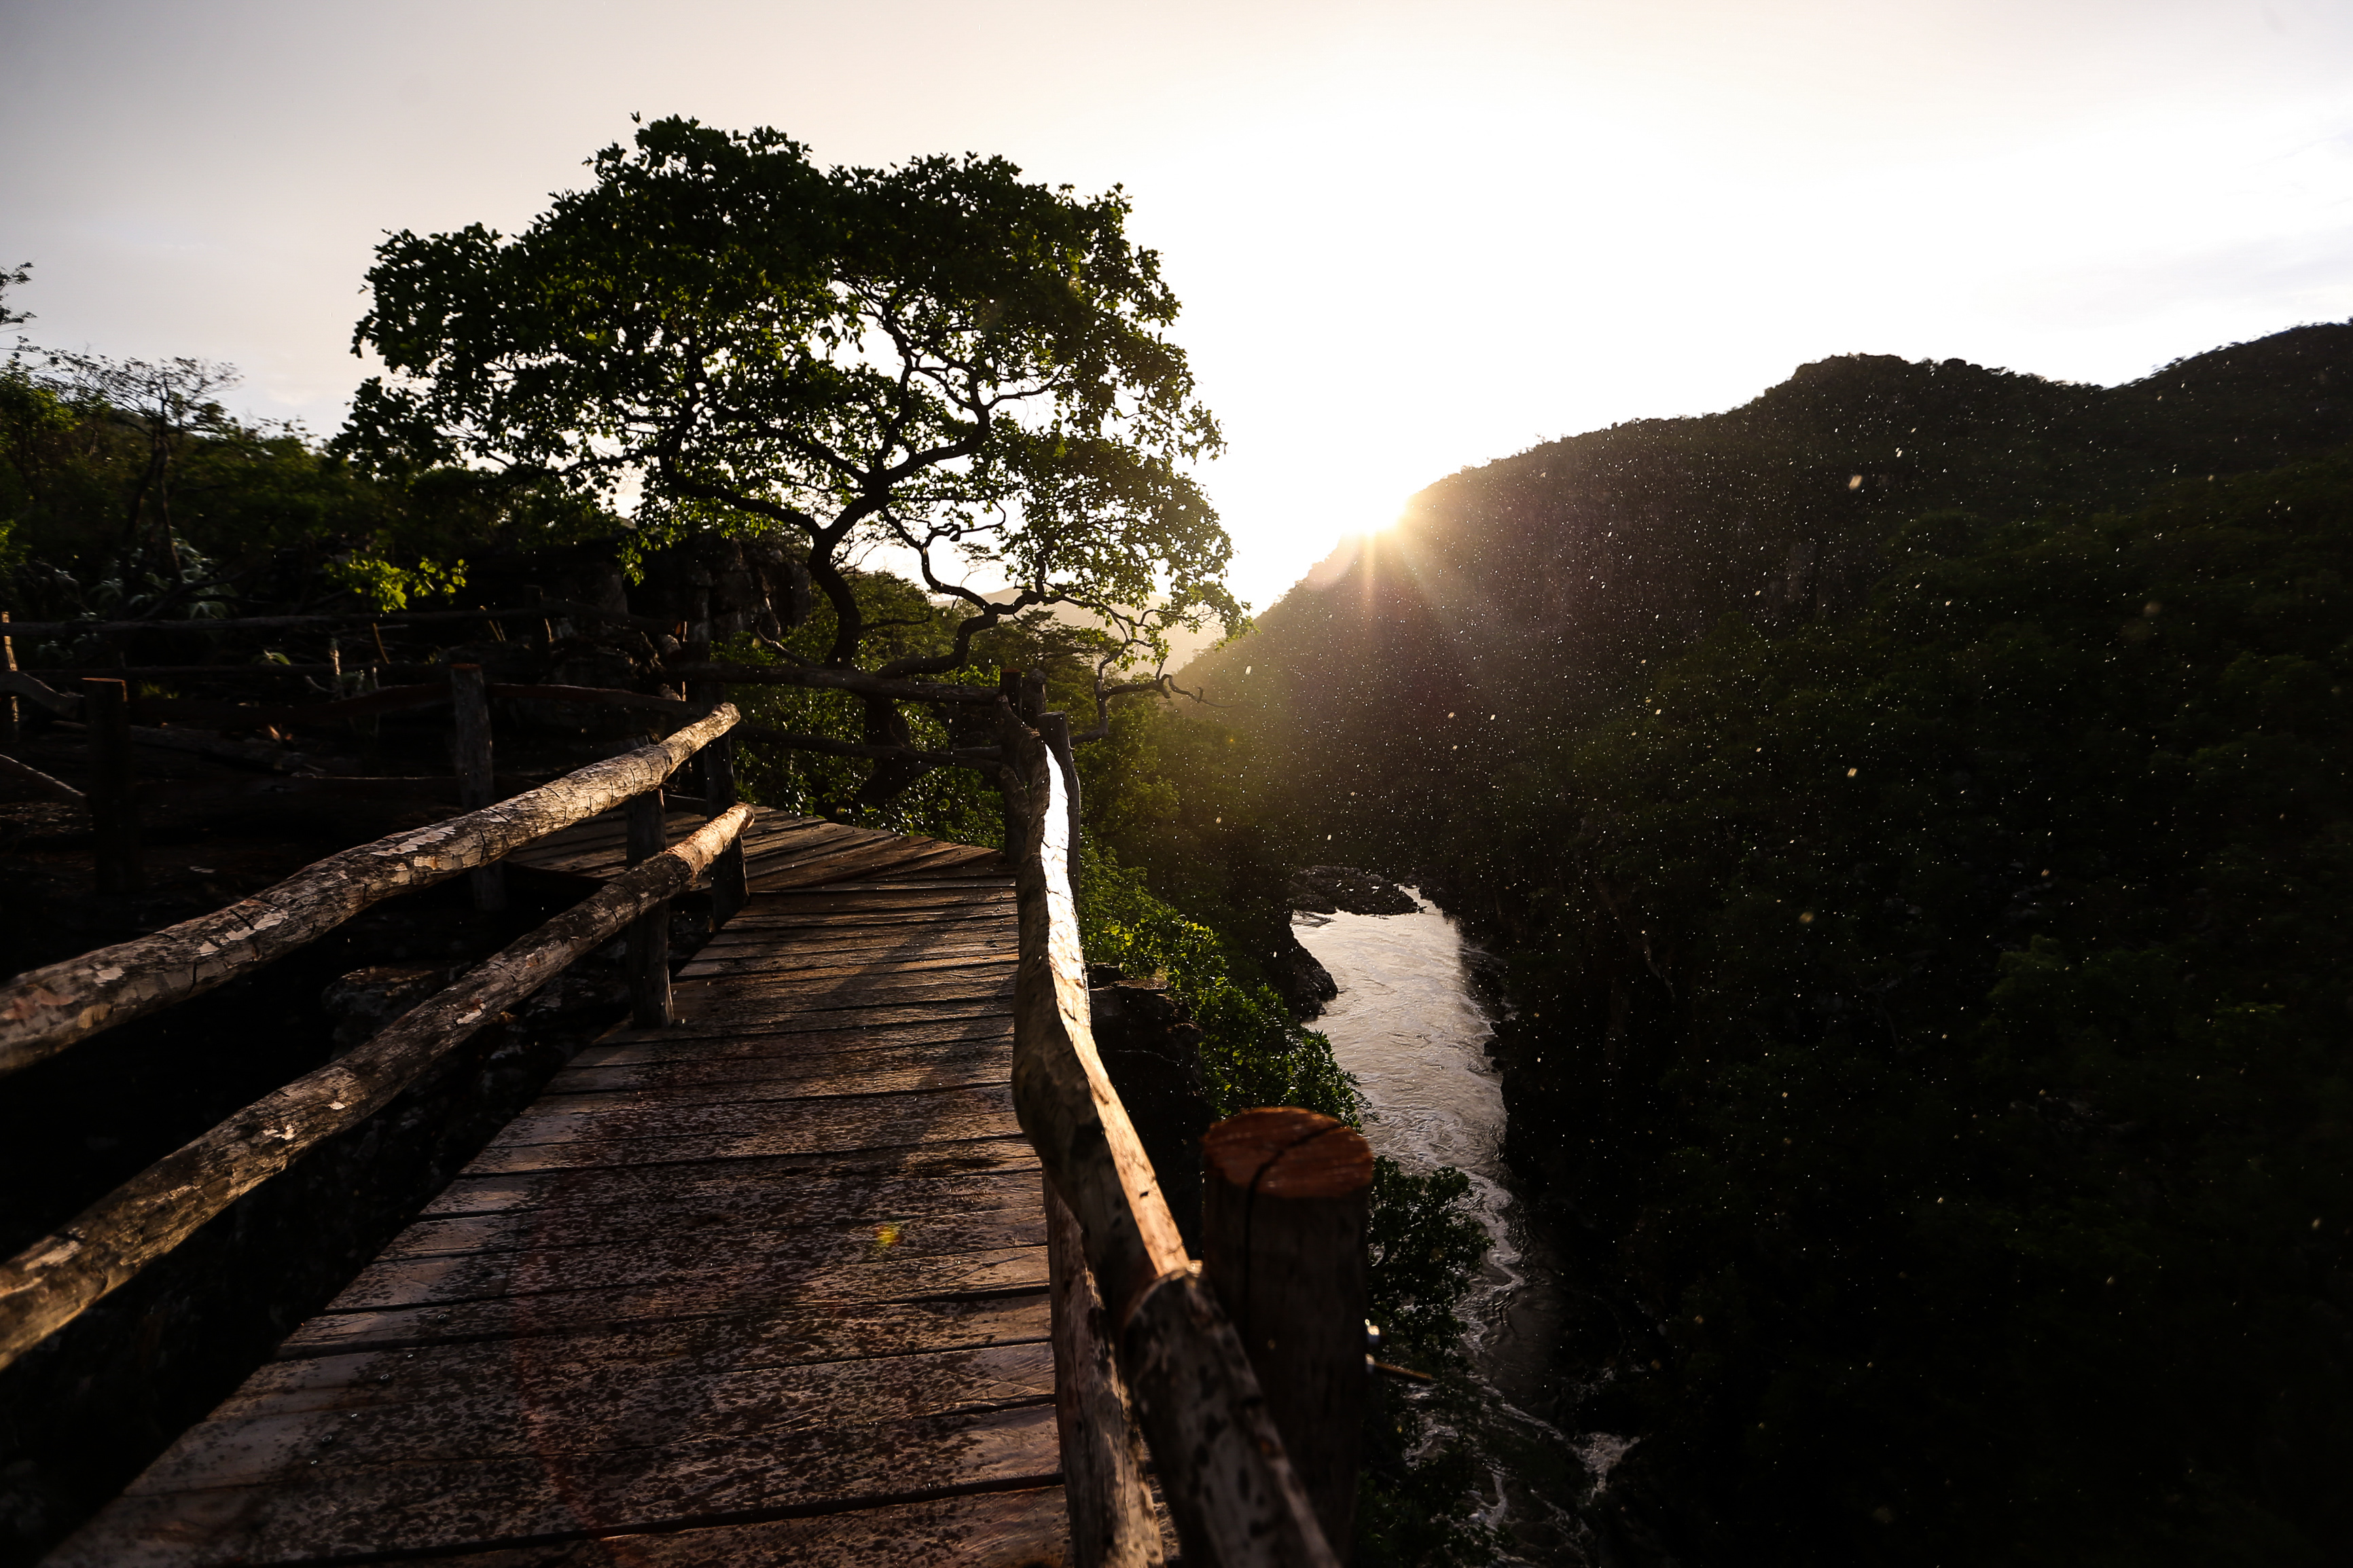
(765, 1286)
(779, 851)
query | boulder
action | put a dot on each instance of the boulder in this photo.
(1299, 978)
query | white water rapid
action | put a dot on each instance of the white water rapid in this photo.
(1409, 1025)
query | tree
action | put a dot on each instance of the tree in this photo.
(171, 404)
(941, 360)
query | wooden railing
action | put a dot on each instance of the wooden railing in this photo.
(1136, 1327)
(46, 1010)
(1145, 1342)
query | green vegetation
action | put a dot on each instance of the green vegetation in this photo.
(1928, 883)
(1989, 1166)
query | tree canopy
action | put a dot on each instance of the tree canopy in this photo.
(941, 361)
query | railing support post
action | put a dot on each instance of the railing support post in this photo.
(1284, 1199)
(718, 763)
(647, 946)
(113, 808)
(9, 732)
(477, 786)
(1111, 1520)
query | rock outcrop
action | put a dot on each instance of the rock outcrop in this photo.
(1304, 984)
(1152, 1051)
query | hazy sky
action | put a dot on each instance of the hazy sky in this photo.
(1409, 237)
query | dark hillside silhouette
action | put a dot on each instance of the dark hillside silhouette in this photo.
(1913, 810)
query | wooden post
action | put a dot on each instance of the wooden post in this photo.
(1111, 1520)
(8, 733)
(1284, 1198)
(113, 811)
(648, 944)
(476, 786)
(1054, 729)
(1008, 691)
(717, 764)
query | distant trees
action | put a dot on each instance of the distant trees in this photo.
(129, 489)
(939, 365)
(167, 405)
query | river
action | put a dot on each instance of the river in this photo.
(1409, 1026)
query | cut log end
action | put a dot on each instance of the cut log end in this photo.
(1286, 1152)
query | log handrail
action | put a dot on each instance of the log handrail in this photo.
(1230, 1488)
(57, 1278)
(45, 1010)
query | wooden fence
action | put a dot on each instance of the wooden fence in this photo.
(1254, 1440)
(45, 1010)
(1138, 1329)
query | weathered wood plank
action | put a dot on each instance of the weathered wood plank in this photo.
(323, 1512)
(867, 1073)
(544, 1402)
(722, 1291)
(1020, 1529)
(889, 852)
(773, 873)
(683, 1145)
(850, 897)
(979, 983)
(780, 1258)
(844, 944)
(812, 967)
(845, 1121)
(915, 933)
(594, 848)
(630, 1047)
(822, 1332)
(542, 1288)
(797, 926)
(979, 877)
(921, 1209)
(476, 1192)
(718, 1018)
(789, 922)
(818, 1327)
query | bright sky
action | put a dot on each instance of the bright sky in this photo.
(1409, 237)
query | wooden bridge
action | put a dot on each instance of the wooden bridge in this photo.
(769, 1275)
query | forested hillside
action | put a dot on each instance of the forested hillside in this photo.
(1914, 809)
